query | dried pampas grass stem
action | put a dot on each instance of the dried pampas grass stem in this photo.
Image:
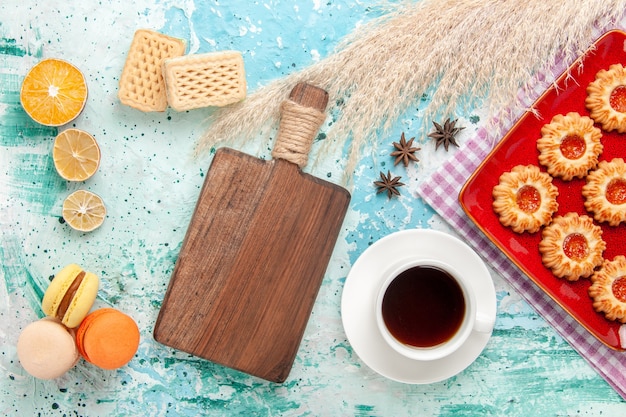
(459, 52)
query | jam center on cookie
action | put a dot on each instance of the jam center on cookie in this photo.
(573, 147)
(616, 191)
(575, 246)
(618, 99)
(619, 289)
(528, 199)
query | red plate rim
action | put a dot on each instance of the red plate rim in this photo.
(503, 142)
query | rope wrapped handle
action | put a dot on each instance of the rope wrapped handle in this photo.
(302, 116)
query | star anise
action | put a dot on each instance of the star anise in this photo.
(404, 151)
(389, 184)
(445, 135)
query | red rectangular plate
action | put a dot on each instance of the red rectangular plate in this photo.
(519, 147)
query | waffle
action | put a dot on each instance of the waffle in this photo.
(141, 84)
(203, 80)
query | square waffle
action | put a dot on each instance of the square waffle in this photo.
(203, 80)
(141, 83)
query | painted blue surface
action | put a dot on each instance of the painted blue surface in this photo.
(150, 181)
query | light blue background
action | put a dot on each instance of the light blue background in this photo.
(150, 180)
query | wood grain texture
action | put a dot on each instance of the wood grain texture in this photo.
(251, 264)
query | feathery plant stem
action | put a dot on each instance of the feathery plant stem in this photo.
(462, 53)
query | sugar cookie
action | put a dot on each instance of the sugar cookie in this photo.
(608, 289)
(572, 246)
(606, 98)
(569, 146)
(605, 192)
(525, 198)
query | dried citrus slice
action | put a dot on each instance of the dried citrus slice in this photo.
(53, 92)
(84, 210)
(76, 155)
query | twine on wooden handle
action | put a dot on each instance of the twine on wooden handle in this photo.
(298, 126)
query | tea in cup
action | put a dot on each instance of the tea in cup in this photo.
(426, 310)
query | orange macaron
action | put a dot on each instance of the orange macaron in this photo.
(107, 338)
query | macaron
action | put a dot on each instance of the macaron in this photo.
(107, 338)
(70, 295)
(46, 348)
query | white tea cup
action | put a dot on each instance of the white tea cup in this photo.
(426, 309)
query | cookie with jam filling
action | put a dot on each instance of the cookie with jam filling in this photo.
(569, 146)
(608, 289)
(605, 192)
(525, 198)
(572, 246)
(606, 98)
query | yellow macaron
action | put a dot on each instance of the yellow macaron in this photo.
(70, 295)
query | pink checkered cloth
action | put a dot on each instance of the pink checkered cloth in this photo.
(441, 191)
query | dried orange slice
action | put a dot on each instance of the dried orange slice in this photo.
(84, 210)
(76, 155)
(53, 92)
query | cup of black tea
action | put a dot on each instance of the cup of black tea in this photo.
(426, 310)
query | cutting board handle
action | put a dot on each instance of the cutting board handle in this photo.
(302, 116)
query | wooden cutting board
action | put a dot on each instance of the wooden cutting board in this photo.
(256, 251)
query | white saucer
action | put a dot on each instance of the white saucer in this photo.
(358, 303)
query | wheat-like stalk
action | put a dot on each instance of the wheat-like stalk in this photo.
(460, 52)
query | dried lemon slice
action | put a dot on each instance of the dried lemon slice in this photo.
(76, 155)
(84, 210)
(53, 92)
